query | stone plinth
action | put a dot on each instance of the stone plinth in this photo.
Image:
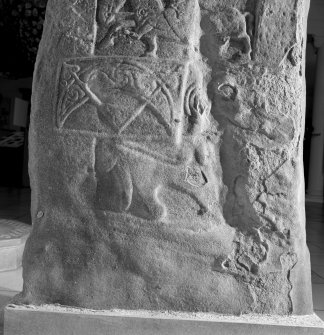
(53, 320)
(13, 236)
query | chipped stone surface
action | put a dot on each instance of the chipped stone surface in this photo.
(166, 157)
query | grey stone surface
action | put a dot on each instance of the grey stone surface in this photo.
(50, 320)
(166, 157)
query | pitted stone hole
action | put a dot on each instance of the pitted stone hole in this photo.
(204, 176)
(40, 214)
(236, 57)
(287, 233)
(254, 269)
(202, 211)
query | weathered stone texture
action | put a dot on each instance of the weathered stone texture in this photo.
(166, 157)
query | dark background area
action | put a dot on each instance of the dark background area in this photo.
(21, 26)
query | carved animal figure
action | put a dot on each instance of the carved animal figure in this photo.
(110, 22)
(134, 18)
(147, 14)
(138, 19)
(237, 29)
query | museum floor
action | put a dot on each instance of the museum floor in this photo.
(14, 204)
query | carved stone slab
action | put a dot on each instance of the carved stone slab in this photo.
(166, 157)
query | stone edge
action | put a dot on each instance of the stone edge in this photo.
(176, 321)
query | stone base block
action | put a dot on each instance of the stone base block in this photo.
(13, 236)
(53, 320)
